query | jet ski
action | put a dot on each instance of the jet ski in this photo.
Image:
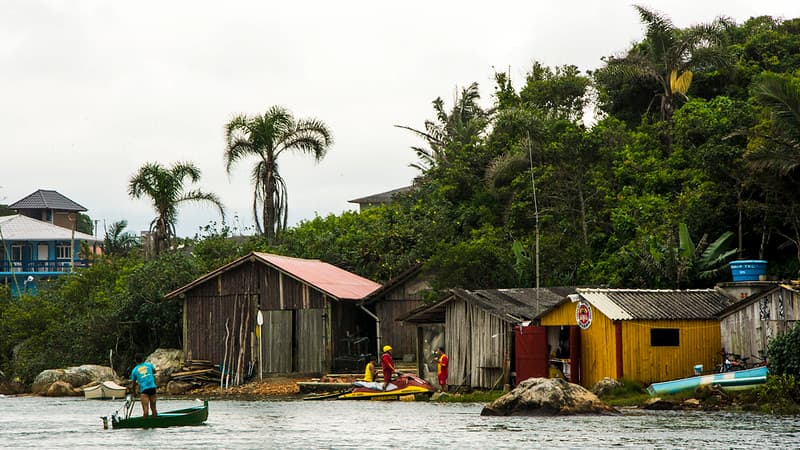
(405, 387)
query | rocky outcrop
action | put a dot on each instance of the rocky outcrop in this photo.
(12, 387)
(74, 376)
(166, 361)
(547, 396)
(61, 389)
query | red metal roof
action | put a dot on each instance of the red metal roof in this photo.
(326, 277)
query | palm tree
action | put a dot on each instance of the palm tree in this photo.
(466, 121)
(165, 188)
(266, 137)
(669, 54)
(119, 242)
(779, 149)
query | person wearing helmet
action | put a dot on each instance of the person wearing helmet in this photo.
(387, 363)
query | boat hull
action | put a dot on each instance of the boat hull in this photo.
(407, 394)
(105, 390)
(193, 416)
(740, 379)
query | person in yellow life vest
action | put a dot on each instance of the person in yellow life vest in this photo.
(370, 371)
(442, 363)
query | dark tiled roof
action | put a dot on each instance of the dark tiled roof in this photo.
(383, 197)
(641, 304)
(47, 199)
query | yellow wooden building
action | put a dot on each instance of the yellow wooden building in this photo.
(642, 335)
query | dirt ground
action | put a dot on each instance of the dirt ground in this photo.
(255, 390)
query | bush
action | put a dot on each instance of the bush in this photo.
(783, 353)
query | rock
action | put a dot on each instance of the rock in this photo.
(62, 389)
(12, 387)
(658, 404)
(547, 396)
(166, 361)
(605, 386)
(691, 403)
(75, 376)
(179, 387)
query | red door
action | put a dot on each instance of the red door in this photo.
(530, 348)
(575, 355)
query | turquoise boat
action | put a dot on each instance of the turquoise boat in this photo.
(737, 379)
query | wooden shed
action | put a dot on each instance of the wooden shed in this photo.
(395, 299)
(748, 326)
(478, 329)
(641, 335)
(311, 317)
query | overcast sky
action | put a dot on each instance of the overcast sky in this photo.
(92, 90)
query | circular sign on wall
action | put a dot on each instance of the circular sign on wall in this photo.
(583, 315)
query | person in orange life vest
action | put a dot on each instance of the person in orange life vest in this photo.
(387, 363)
(370, 371)
(442, 362)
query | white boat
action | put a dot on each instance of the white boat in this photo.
(104, 390)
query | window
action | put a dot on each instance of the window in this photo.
(64, 251)
(665, 337)
(16, 252)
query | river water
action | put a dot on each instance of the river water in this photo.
(37, 422)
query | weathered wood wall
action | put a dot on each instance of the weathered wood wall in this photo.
(398, 301)
(302, 329)
(747, 331)
(477, 345)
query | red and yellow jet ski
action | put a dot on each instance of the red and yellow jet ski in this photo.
(405, 387)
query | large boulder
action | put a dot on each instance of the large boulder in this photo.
(547, 397)
(166, 361)
(61, 389)
(74, 376)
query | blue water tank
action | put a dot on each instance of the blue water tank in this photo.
(748, 269)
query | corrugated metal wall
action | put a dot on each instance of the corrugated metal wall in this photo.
(749, 330)
(477, 344)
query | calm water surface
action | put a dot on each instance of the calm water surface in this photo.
(35, 422)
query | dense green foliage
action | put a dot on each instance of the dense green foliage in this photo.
(783, 354)
(636, 197)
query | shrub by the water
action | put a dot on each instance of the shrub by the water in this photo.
(783, 353)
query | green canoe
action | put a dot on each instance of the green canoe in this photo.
(195, 415)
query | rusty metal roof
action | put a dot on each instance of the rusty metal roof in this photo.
(326, 277)
(511, 305)
(333, 281)
(47, 199)
(650, 304)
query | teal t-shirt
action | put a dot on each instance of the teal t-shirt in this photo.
(144, 375)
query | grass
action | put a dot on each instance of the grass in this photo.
(470, 397)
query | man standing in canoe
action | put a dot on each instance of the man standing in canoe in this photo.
(387, 363)
(442, 362)
(144, 375)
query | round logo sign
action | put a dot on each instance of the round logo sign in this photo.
(583, 315)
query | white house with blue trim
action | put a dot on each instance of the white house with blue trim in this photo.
(34, 246)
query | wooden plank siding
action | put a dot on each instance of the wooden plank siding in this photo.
(699, 343)
(478, 346)
(747, 330)
(597, 346)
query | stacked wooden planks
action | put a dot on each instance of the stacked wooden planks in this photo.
(198, 372)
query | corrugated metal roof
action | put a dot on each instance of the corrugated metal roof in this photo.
(644, 304)
(335, 281)
(24, 228)
(511, 305)
(47, 199)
